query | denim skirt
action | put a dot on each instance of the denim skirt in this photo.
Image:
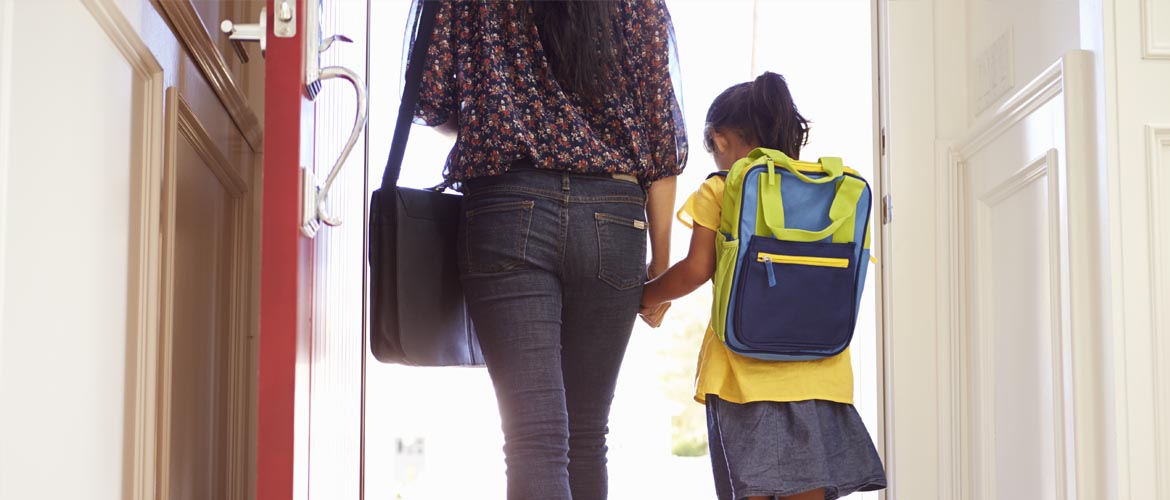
(775, 449)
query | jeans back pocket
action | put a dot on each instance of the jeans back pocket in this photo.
(621, 246)
(495, 236)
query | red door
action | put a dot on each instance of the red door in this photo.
(311, 349)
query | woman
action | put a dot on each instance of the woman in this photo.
(566, 117)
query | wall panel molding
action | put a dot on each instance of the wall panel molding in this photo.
(1155, 35)
(1045, 87)
(1045, 169)
(140, 457)
(196, 134)
(189, 28)
(1074, 399)
(1158, 171)
(183, 125)
(949, 300)
(167, 292)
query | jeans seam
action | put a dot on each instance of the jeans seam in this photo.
(559, 196)
(514, 190)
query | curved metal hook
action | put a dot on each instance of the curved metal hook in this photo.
(358, 124)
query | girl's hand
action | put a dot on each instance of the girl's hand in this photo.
(653, 315)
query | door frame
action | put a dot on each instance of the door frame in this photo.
(282, 395)
(286, 271)
(883, 205)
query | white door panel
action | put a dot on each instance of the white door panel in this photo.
(1013, 350)
(1016, 375)
(1137, 65)
(1158, 165)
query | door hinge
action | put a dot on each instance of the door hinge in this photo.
(887, 209)
(882, 142)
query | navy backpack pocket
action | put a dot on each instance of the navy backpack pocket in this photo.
(796, 296)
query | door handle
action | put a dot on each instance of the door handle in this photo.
(359, 123)
(314, 210)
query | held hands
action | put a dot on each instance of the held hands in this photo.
(653, 315)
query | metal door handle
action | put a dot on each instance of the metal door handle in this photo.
(359, 123)
(314, 211)
(240, 33)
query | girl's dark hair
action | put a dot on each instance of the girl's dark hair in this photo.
(760, 112)
(580, 42)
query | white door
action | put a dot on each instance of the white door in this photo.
(1020, 269)
(129, 171)
(1138, 64)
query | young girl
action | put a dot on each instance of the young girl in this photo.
(777, 429)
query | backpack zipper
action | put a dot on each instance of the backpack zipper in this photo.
(802, 260)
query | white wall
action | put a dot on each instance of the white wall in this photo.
(1123, 404)
(82, 143)
(1042, 32)
(932, 52)
(66, 254)
(6, 8)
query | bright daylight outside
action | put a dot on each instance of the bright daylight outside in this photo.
(434, 434)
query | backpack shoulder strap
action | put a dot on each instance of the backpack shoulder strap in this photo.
(721, 173)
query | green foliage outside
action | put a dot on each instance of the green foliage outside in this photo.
(683, 331)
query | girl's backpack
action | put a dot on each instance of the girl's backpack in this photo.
(791, 257)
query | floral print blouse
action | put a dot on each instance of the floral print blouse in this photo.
(486, 66)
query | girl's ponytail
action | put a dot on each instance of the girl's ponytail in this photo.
(775, 120)
(762, 113)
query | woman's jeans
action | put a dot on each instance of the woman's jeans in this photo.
(553, 266)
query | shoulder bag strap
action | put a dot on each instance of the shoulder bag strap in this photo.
(414, 70)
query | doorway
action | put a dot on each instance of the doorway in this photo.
(433, 432)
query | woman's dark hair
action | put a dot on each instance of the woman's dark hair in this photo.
(760, 112)
(580, 42)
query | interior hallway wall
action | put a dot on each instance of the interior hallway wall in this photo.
(945, 80)
(950, 65)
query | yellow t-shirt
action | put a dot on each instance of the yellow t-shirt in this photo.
(740, 379)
